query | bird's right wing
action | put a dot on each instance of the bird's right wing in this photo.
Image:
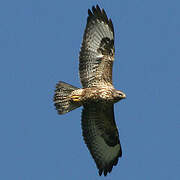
(101, 135)
(97, 50)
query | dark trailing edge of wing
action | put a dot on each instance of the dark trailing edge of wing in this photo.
(97, 13)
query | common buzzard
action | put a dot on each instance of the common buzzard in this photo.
(98, 94)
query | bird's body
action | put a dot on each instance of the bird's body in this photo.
(98, 94)
(104, 94)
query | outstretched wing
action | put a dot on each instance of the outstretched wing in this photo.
(101, 135)
(97, 51)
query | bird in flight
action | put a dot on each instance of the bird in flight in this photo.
(98, 94)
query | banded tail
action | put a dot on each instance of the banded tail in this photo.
(62, 99)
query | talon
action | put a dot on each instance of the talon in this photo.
(75, 98)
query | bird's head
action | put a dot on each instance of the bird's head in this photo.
(118, 95)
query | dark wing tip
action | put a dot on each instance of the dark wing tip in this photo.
(98, 8)
(97, 13)
(100, 172)
(90, 13)
(107, 169)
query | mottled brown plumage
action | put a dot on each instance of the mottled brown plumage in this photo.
(97, 51)
(98, 94)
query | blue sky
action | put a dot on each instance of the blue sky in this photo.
(39, 45)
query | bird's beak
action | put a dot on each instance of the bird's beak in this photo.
(123, 96)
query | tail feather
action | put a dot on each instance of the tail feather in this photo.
(62, 100)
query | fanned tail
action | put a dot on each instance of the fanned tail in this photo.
(62, 101)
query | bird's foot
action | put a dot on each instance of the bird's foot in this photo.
(75, 98)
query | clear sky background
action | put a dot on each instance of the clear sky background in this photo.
(39, 45)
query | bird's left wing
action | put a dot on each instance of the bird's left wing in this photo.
(101, 135)
(97, 50)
